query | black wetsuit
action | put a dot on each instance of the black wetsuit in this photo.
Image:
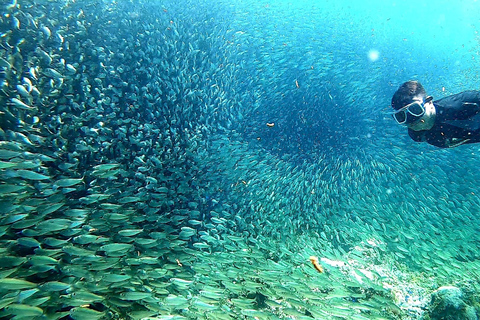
(457, 121)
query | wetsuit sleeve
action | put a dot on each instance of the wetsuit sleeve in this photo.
(436, 140)
(470, 105)
(461, 106)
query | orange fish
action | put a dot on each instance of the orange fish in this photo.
(316, 264)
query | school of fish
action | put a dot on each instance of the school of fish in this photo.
(175, 160)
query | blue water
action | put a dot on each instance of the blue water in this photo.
(432, 42)
(244, 137)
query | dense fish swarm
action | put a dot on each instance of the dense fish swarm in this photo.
(176, 160)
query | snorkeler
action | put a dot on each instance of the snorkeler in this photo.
(445, 123)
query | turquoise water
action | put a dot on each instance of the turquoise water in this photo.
(232, 160)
